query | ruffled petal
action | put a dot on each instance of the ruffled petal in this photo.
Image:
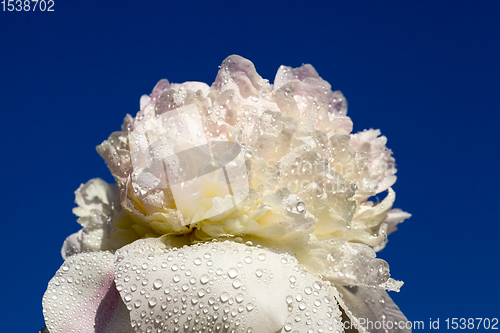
(116, 154)
(72, 245)
(95, 195)
(344, 263)
(238, 74)
(226, 285)
(372, 144)
(395, 217)
(100, 214)
(308, 85)
(82, 297)
(370, 308)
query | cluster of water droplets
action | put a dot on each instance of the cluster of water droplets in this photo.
(220, 287)
(82, 297)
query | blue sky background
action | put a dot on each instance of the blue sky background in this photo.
(426, 73)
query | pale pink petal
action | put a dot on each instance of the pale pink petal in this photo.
(82, 297)
(286, 74)
(307, 86)
(239, 74)
(160, 87)
(72, 245)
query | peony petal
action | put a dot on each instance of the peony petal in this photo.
(395, 216)
(365, 305)
(239, 74)
(271, 136)
(286, 74)
(307, 85)
(72, 245)
(82, 297)
(382, 165)
(193, 86)
(116, 154)
(221, 285)
(96, 194)
(99, 213)
(370, 216)
(160, 87)
(344, 263)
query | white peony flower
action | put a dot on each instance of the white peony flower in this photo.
(240, 207)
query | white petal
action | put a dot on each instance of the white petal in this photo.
(286, 74)
(395, 217)
(364, 305)
(96, 194)
(82, 297)
(345, 263)
(192, 85)
(72, 245)
(222, 285)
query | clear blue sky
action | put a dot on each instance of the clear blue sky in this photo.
(427, 73)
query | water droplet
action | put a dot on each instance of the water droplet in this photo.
(152, 302)
(224, 297)
(158, 284)
(232, 272)
(236, 283)
(204, 279)
(239, 298)
(301, 207)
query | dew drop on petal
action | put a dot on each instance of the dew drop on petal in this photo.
(239, 298)
(250, 307)
(224, 297)
(158, 283)
(204, 279)
(236, 284)
(232, 272)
